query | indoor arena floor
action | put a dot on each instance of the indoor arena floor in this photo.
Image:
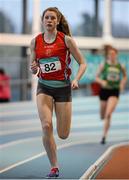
(22, 155)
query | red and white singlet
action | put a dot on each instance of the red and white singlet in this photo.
(53, 58)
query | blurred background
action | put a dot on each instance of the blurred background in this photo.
(94, 23)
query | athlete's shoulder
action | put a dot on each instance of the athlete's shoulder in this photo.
(102, 66)
(69, 41)
(38, 35)
(34, 40)
(119, 64)
(32, 43)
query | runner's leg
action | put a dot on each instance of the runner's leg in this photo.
(111, 104)
(45, 109)
(63, 114)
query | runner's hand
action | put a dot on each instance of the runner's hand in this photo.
(74, 84)
(34, 67)
(103, 83)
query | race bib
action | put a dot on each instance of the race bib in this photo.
(113, 77)
(50, 67)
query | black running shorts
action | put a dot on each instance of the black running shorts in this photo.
(106, 93)
(61, 94)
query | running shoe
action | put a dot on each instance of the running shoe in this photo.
(103, 141)
(54, 173)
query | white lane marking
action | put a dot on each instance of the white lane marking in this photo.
(39, 155)
(19, 131)
(21, 122)
(42, 154)
(22, 162)
(91, 100)
(89, 135)
(74, 138)
(92, 117)
(16, 142)
(74, 125)
(20, 112)
(29, 111)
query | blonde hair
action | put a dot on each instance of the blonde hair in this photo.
(63, 24)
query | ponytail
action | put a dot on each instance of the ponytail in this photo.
(63, 25)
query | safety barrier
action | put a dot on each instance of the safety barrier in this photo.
(94, 169)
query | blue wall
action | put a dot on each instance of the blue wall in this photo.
(93, 62)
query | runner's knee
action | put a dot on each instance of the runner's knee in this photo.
(108, 116)
(102, 116)
(47, 128)
(63, 135)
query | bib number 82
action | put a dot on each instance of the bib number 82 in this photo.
(50, 67)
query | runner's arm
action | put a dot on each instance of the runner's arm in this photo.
(34, 66)
(78, 57)
(100, 81)
(124, 79)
